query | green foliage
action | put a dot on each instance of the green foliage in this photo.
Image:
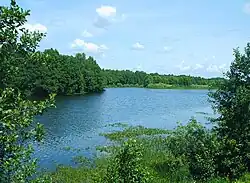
(16, 45)
(82, 161)
(40, 73)
(122, 125)
(198, 145)
(127, 165)
(232, 102)
(131, 132)
(170, 167)
(185, 153)
(126, 78)
(50, 72)
(76, 175)
(168, 86)
(17, 132)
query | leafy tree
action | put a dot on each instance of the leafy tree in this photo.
(17, 131)
(40, 73)
(16, 44)
(138, 78)
(127, 165)
(198, 145)
(232, 102)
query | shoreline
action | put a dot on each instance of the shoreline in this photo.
(197, 87)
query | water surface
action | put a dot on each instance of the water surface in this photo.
(77, 120)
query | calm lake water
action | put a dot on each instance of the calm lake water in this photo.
(77, 121)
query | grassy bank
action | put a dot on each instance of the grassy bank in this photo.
(164, 86)
(163, 156)
(124, 86)
(167, 86)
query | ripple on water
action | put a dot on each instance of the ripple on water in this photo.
(77, 120)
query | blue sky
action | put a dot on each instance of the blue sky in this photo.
(166, 36)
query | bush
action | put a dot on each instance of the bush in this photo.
(17, 132)
(232, 102)
(172, 168)
(127, 167)
(198, 145)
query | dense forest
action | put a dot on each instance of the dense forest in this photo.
(42, 73)
(188, 153)
(39, 73)
(119, 78)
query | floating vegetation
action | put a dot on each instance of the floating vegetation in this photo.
(107, 149)
(82, 161)
(122, 125)
(67, 148)
(131, 132)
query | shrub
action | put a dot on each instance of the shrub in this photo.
(232, 102)
(17, 131)
(127, 167)
(199, 145)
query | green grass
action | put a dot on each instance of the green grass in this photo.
(163, 166)
(131, 132)
(124, 86)
(163, 86)
(168, 86)
(122, 125)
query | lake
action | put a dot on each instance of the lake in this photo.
(77, 120)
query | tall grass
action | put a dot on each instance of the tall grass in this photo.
(185, 155)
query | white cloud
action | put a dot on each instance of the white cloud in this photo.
(107, 15)
(167, 49)
(106, 11)
(35, 27)
(87, 34)
(246, 8)
(215, 68)
(198, 66)
(183, 67)
(88, 46)
(138, 46)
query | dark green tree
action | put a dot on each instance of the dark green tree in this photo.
(127, 166)
(232, 102)
(17, 130)
(16, 45)
(119, 78)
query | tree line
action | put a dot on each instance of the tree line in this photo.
(45, 72)
(42, 73)
(187, 154)
(139, 78)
